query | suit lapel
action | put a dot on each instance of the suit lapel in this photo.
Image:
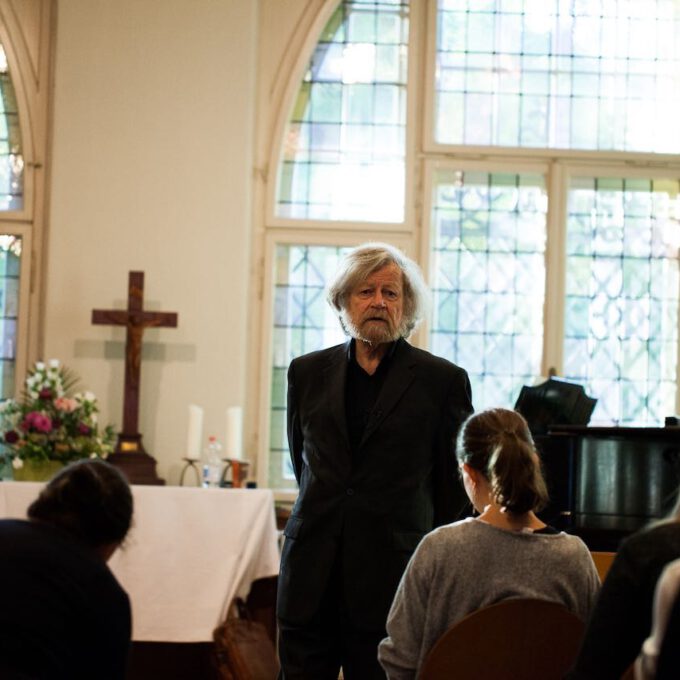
(399, 376)
(335, 378)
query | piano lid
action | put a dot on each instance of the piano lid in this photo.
(554, 402)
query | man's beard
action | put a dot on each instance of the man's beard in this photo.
(374, 332)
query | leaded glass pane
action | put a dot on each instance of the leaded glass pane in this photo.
(11, 160)
(10, 258)
(621, 316)
(344, 147)
(554, 74)
(303, 322)
(488, 271)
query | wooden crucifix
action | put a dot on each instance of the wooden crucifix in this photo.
(136, 320)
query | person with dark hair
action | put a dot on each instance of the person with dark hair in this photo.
(622, 617)
(63, 613)
(371, 427)
(505, 552)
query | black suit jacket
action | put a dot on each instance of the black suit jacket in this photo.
(367, 513)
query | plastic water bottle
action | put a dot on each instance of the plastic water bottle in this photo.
(212, 464)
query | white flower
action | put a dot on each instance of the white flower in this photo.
(54, 363)
(39, 366)
(17, 463)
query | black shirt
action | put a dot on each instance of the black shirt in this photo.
(62, 612)
(361, 393)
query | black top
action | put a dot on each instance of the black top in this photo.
(361, 393)
(622, 617)
(62, 612)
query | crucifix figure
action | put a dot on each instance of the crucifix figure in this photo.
(136, 321)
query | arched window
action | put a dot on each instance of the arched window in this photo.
(24, 99)
(344, 147)
(540, 144)
(11, 242)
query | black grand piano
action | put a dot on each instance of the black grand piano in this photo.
(604, 482)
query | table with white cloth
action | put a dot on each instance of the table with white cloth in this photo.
(189, 553)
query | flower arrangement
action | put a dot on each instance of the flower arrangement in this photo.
(50, 422)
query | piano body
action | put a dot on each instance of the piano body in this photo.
(607, 482)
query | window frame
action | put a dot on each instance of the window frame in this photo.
(272, 240)
(423, 156)
(30, 78)
(22, 346)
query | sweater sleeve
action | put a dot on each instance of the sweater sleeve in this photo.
(400, 651)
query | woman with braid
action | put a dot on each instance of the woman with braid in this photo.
(504, 552)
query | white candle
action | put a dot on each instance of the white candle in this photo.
(195, 432)
(234, 434)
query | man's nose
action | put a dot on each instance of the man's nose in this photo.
(379, 300)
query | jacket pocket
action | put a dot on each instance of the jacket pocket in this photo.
(406, 540)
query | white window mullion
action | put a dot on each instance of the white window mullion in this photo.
(555, 285)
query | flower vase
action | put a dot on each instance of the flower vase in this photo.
(6, 471)
(37, 470)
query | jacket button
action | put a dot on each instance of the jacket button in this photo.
(350, 492)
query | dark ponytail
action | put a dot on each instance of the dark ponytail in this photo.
(497, 443)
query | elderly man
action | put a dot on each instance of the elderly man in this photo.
(371, 427)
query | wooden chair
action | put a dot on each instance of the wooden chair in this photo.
(520, 639)
(603, 560)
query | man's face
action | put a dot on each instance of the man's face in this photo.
(374, 308)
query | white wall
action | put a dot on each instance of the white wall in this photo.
(154, 107)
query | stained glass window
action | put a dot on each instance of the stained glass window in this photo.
(10, 257)
(11, 159)
(303, 322)
(488, 269)
(553, 74)
(344, 147)
(11, 198)
(623, 286)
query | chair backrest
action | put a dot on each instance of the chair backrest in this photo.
(520, 639)
(603, 560)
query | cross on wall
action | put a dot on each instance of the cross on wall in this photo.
(136, 320)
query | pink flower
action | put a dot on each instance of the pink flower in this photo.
(65, 404)
(45, 393)
(84, 429)
(11, 437)
(37, 421)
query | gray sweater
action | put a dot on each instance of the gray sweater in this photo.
(465, 566)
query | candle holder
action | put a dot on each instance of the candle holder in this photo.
(239, 471)
(190, 463)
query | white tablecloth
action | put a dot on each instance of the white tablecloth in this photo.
(189, 553)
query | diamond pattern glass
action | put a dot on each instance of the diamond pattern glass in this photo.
(303, 322)
(11, 159)
(488, 273)
(10, 259)
(555, 74)
(343, 153)
(623, 287)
